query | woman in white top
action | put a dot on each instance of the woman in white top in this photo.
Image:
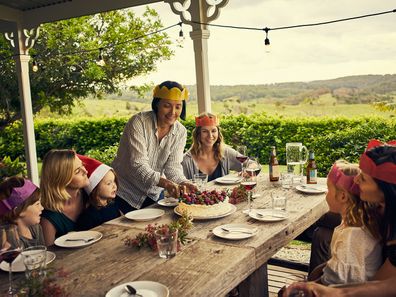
(151, 150)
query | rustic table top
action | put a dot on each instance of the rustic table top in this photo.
(206, 266)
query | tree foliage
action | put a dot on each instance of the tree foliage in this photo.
(68, 70)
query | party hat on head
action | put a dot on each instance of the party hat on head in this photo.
(96, 171)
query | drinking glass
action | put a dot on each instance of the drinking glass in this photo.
(166, 243)
(34, 258)
(10, 248)
(249, 182)
(253, 165)
(200, 180)
(279, 202)
(241, 156)
(286, 180)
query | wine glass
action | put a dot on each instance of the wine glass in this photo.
(241, 156)
(10, 248)
(253, 165)
(249, 183)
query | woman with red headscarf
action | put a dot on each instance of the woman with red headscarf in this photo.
(377, 183)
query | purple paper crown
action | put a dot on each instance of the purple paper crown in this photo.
(17, 197)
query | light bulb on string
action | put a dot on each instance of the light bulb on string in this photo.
(35, 67)
(267, 41)
(100, 61)
(181, 38)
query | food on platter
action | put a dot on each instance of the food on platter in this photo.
(205, 203)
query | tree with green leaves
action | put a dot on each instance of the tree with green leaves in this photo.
(67, 52)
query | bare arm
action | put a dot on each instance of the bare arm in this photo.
(49, 231)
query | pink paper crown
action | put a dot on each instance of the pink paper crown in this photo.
(385, 171)
(345, 182)
(206, 120)
(17, 197)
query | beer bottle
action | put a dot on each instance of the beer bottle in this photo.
(311, 169)
(273, 166)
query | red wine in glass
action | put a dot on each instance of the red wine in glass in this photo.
(249, 185)
(9, 256)
(253, 172)
(241, 158)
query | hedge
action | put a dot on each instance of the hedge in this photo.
(329, 138)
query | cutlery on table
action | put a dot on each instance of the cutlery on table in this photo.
(273, 215)
(237, 230)
(86, 240)
(311, 188)
(132, 291)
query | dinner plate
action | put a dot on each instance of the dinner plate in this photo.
(228, 180)
(144, 288)
(231, 211)
(311, 189)
(235, 231)
(145, 214)
(268, 215)
(78, 239)
(18, 266)
(168, 202)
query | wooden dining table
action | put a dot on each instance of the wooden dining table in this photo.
(206, 266)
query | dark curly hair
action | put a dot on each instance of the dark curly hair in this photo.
(169, 84)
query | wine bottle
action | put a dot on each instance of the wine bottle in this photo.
(311, 169)
(273, 166)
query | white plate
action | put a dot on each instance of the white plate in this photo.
(268, 215)
(145, 214)
(232, 210)
(238, 231)
(64, 241)
(168, 202)
(311, 189)
(18, 266)
(228, 180)
(145, 288)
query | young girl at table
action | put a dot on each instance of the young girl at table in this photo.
(101, 192)
(355, 245)
(63, 176)
(208, 153)
(20, 205)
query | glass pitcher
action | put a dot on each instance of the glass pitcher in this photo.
(296, 157)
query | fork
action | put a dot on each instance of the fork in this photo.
(86, 240)
(269, 215)
(236, 231)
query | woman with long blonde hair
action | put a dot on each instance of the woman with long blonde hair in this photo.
(63, 176)
(208, 153)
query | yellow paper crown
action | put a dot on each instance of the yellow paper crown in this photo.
(206, 120)
(170, 94)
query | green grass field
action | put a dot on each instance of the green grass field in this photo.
(324, 106)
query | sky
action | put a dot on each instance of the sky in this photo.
(357, 47)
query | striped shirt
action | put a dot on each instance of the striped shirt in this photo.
(141, 159)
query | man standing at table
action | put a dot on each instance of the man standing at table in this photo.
(151, 150)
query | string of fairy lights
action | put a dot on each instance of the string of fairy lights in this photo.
(101, 58)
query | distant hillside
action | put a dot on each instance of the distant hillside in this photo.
(349, 89)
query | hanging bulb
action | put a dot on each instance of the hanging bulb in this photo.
(100, 61)
(266, 40)
(34, 66)
(181, 38)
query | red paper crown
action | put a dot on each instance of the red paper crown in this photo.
(206, 120)
(385, 171)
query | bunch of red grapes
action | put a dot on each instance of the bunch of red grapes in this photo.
(238, 194)
(204, 197)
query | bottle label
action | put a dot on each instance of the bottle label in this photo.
(274, 171)
(312, 176)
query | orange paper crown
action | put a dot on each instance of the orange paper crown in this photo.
(170, 94)
(206, 120)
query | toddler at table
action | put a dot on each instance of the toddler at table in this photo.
(101, 192)
(20, 205)
(355, 245)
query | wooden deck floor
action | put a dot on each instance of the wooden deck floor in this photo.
(279, 276)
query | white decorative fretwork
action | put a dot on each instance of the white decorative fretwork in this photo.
(29, 37)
